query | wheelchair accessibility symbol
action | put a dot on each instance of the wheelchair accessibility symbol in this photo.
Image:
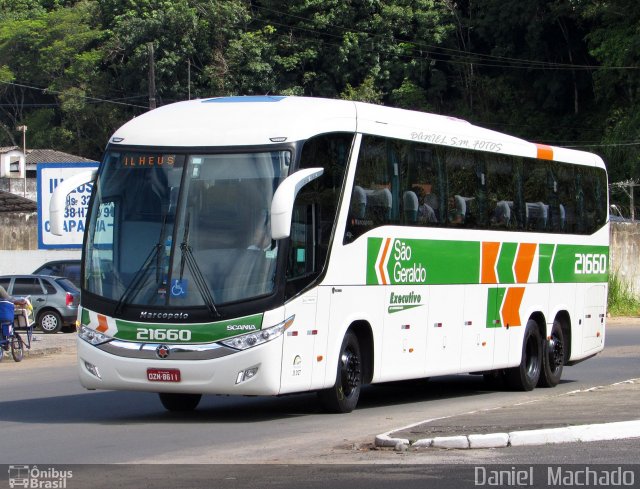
(179, 287)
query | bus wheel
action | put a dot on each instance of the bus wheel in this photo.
(525, 376)
(552, 358)
(343, 396)
(179, 402)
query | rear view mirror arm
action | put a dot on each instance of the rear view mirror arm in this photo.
(284, 197)
(59, 198)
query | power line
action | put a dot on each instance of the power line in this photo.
(85, 97)
(477, 59)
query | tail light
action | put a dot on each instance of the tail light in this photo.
(69, 299)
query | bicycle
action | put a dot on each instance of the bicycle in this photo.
(13, 319)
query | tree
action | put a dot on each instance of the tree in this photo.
(615, 43)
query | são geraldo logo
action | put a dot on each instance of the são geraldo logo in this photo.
(404, 269)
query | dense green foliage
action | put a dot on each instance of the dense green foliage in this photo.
(563, 72)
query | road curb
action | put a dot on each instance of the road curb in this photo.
(570, 434)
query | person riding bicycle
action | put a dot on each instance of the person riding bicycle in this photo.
(7, 306)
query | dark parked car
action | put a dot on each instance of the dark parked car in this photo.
(61, 268)
(54, 299)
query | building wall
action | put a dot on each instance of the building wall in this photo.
(625, 253)
(5, 160)
(19, 231)
(19, 251)
(16, 186)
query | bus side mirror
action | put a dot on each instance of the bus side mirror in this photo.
(283, 199)
(59, 198)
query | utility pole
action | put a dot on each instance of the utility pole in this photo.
(189, 78)
(24, 151)
(152, 78)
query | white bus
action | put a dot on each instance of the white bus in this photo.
(271, 245)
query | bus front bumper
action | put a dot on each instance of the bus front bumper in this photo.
(255, 371)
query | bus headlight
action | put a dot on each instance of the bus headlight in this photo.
(92, 336)
(256, 338)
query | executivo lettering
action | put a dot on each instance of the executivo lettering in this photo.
(401, 302)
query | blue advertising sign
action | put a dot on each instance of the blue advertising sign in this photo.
(49, 176)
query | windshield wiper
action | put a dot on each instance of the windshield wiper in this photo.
(141, 274)
(132, 289)
(196, 273)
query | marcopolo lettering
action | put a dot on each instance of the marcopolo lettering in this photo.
(163, 315)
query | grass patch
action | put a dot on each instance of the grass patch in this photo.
(622, 301)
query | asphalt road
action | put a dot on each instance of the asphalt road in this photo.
(47, 418)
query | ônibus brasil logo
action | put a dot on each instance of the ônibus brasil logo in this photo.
(395, 264)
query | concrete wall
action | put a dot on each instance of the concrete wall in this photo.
(19, 251)
(16, 186)
(624, 253)
(18, 231)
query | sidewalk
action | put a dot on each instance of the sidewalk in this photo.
(600, 413)
(50, 344)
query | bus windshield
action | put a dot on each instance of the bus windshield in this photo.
(183, 230)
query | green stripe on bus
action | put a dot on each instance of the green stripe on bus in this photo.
(416, 261)
(84, 318)
(505, 263)
(544, 262)
(580, 263)
(373, 248)
(495, 296)
(200, 332)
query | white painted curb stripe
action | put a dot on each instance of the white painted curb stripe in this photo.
(581, 433)
(570, 434)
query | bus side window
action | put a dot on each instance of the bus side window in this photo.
(316, 208)
(562, 218)
(374, 188)
(301, 261)
(462, 183)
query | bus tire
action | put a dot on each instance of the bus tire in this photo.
(179, 402)
(343, 396)
(552, 357)
(525, 376)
